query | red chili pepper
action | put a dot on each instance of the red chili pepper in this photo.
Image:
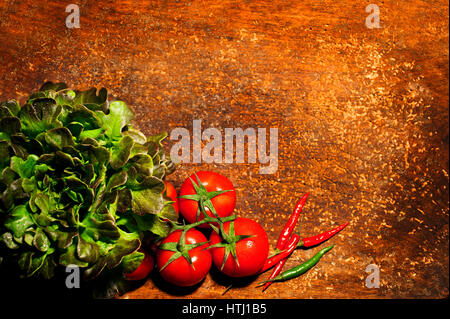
(275, 273)
(285, 235)
(272, 261)
(279, 266)
(290, 225)
(318, 239)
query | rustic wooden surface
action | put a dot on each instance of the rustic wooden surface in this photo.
(362, 117)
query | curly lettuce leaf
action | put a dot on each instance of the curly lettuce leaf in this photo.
(78, 184)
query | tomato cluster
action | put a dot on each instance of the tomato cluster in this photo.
(237, 246)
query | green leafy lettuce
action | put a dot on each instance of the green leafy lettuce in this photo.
(78, 185)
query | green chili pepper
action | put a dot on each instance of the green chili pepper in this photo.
(302, 268)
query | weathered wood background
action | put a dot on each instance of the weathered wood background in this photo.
(362, 116)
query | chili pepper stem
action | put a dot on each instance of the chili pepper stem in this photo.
(227, 289)
(279, 252)
(275, 253)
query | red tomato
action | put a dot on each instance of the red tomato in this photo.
(171, 192)
(251, 252)
(144, 269)
(223, 204)
(179, 272)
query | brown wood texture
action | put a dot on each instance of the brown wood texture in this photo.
(362, 116)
